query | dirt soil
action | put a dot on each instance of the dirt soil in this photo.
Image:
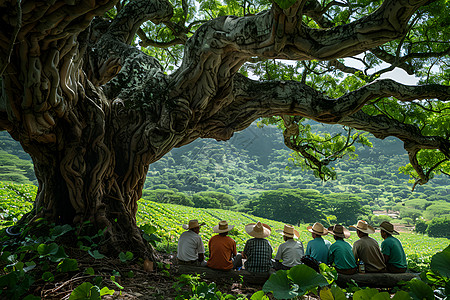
(156, 284)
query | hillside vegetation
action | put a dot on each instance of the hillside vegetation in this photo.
(167, 219)
(254, 166)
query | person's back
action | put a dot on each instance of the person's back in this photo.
(341, 254)
(291, 252)
(368, 250)
(258, 250)
(318, 248)
(222, 248)
(392, 249)
(190, 248)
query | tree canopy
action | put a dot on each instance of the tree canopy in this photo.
(95, 93)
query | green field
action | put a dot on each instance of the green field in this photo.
(16, 199)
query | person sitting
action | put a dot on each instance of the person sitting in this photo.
(191, 250)
(258, 250)
(222, 248)
(341, 253)
(367, 249)
(392, 249)
(291, 251)
(318, 248)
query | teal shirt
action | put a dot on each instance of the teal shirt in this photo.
(341, 255)
(318, 249)
(394, 249)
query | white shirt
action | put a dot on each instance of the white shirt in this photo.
(190, 245)
(290, 252)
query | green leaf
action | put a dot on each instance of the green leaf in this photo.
(68, 265)
(440, 262)
(59, 255)
(95, 254)
(285, 4)
(32, 297)
(46, 250)
(48, 276)
(95, 293)
(81, 292)
(125, 256)
(280, 286)
(419, 290)
(366, 294)
(106, 291)
(401, 295)
(306, 278)
(338, 294)
(89, 271)
(329, 273)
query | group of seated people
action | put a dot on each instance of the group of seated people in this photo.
(257, 254)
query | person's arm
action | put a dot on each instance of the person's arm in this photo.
(201, 257)
(386, 258)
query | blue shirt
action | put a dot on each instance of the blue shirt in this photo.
(318, 249)
(341, 255)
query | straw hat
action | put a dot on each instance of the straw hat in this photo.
(258, 230)
(192, 224)
(318, 229)
(222, 227)
(388, 227)
(364, 227)
(290, 232)
(339, 230)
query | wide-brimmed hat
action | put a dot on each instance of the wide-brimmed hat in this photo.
(364, 227)
(388, 227)
(258, 230)
(318, 229)
(222, 227)
(340, 231)
(289, 231)
(192, 224)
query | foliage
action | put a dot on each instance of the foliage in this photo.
(438, 227)
(197, 289)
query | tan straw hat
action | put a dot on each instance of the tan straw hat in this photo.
(388, 227)
(339, 230)
(290, 232)
(318, 229)
(258, 230)
(222, 227)
(364, 227)
(192, 224)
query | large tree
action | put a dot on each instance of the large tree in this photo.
(85, 92)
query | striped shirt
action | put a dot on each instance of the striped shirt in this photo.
(259, 255)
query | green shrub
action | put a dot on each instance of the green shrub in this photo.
(421, 226)
(438, 227)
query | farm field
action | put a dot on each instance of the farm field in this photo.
(16, 199)
(168, 218)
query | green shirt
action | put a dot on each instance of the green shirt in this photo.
(394, 249)
(318, 249)
(342, 255)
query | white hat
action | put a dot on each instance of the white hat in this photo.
(258, 230)
(192, 224)
(289, 231)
